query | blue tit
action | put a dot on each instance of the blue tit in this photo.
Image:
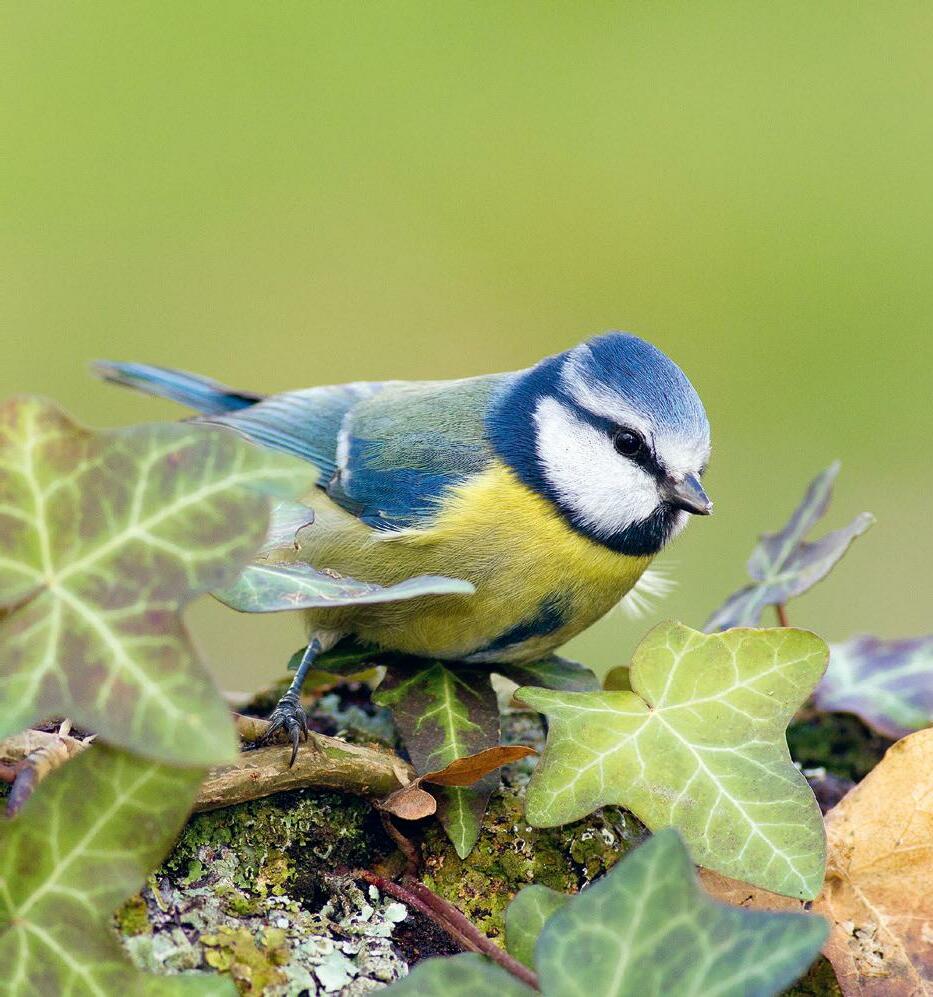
(550, 489)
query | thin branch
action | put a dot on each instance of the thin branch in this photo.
(781, 614)
(446, 916)
(322, 763)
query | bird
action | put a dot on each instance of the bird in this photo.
(549, 489)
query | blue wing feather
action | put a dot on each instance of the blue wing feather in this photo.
(305, 424)
(386, 451)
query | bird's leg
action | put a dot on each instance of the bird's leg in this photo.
(289, 714)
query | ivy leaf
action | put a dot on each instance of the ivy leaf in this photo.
(879, 877)
(552, 672)
(646, 927)
(887, 683)
(444, 713)
(526, 916)
(286, 520)
(84, 843)
(271, 588)
(699, 744)
(784, 565)
(103, 537)
(467, 975)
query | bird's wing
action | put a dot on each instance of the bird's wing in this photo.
(305, 424)
(387, 451)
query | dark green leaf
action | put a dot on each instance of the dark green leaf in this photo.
(84, 843)
(103, 538)
(467, 975)
(647, 928)
(552, 672)
(265, 587)
(784, 565)
(443, 713)
(699, 745)
(888, 683)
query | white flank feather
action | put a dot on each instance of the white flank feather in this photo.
(654, 585)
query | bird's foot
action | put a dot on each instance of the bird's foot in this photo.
(288, 716)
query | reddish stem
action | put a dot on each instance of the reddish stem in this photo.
(446, 916)
(781, 614)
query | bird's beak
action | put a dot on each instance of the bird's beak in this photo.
(686, 493)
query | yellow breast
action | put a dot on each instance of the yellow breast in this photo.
(536, 578)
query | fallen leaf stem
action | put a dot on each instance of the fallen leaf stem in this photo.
(451, 920)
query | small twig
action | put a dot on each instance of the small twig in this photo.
(323, 763)
(327, 764)
(41, 760)
(405, 845)
(781, 614)
(446, 916)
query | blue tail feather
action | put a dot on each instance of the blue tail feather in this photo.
(200, 393)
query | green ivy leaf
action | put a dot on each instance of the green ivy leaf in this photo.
(888, 683)
(84, 843)
(286, 520)
(699, 745)
(784, 565)
(526, 916)
(467, 975)
(443, 713)
(552, 672)
(647, 928)
(103, 537)
(271, 588)
(644, 928)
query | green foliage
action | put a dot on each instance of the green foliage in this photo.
(526, 917)
(552, 672)
(442, 714)
(81, 845)
(646, 927)
(784, 565)
(887, 683)
(271, 588)
(467, 975)
(103, 538)
(699, 745)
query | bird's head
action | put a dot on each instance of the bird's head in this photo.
(614, 434)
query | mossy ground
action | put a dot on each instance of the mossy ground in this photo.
(510, 854)
(260, 892)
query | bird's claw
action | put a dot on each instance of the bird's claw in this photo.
(288, 716)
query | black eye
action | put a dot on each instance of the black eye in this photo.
(627, 442)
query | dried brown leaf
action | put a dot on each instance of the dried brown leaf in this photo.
(411, 802)
(471, 768)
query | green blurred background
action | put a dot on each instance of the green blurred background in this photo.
(293, 193)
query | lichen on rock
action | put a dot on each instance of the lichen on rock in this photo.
(253, 891)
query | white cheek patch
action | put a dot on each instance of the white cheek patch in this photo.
(605, 491)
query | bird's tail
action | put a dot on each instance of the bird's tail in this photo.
(200, 393)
